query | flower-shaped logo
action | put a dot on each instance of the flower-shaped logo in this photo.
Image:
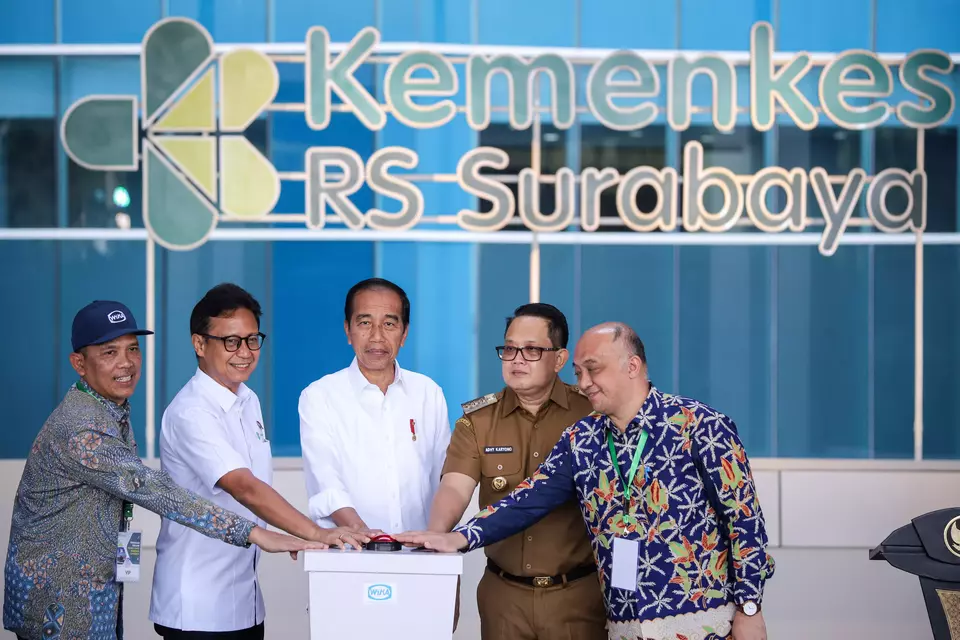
(197, 165)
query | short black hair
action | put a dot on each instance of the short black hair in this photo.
(632, 341)
(222, 300)
(373, 284)
(556, 321)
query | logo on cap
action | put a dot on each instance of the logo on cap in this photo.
(116, 317)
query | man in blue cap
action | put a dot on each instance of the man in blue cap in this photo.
(74, 505)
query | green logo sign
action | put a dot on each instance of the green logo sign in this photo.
(198, 167)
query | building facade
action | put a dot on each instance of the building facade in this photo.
(840, 368)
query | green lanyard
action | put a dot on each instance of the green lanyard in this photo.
(127, 506)
(627, 484)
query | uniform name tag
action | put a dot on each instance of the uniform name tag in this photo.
(128, 556)
(498, 449)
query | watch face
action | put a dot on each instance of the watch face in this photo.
(750, 608)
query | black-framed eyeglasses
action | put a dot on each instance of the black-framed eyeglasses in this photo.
(232, 343)
(530, 354)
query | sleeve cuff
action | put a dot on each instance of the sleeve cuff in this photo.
(452, 465)
(472, 534)
(748, 591)
(213, 475)
(325, 503)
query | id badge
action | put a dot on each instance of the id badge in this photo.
(626, 557)
(128, 556)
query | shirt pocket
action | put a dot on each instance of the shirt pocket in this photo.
(261, 461)
(501, 471)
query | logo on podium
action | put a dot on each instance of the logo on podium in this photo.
(379, 592)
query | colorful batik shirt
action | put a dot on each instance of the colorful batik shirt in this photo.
(59, 578)
(693, 508)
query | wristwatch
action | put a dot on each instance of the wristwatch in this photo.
(749, 608)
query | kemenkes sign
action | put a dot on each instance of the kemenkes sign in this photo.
(186, 132)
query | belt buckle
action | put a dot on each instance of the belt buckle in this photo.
(543, 581)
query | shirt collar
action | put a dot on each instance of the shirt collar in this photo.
(119, 412)
(558, 394)
(649, 417)
(223, 396)
(359, 382)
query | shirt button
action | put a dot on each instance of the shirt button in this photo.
(536, 454)
(499, 467)
(529, 538)
(528, 566)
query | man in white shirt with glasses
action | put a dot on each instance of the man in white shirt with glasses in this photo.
(213, 441)
(374, 435)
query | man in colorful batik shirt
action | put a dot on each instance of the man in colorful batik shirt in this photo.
(81, 480)
(683, 554)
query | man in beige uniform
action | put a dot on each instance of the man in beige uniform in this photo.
(542, 583)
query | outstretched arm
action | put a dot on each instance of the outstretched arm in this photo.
(550, 486)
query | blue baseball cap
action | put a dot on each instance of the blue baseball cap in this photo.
(102, 321)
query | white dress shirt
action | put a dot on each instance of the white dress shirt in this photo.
(199, 583)
(359, 450)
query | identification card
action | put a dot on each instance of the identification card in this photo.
(626, 557)
(128, 556)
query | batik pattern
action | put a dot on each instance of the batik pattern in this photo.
(693, 508)
(59, 576)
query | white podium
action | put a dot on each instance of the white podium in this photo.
(382, 594)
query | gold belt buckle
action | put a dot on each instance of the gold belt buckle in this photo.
(543, 581)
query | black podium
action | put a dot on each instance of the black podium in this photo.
(929, 547)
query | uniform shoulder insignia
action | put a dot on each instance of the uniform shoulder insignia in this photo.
(480, 403)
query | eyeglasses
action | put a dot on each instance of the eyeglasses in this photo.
(232, 343)
(530, 354)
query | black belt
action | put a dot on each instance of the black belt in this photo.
(545, 581)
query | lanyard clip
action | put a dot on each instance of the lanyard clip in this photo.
(127, 515)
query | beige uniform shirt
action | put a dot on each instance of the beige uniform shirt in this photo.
(499, 444)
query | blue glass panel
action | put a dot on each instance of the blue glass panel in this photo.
(896, 147)
(835, 150)
(82, 77)
(941, 353)
(27, 22)
(107, 21)
(234, 21)
(408, 21)
(615, 24)
(923, 24)
(183, 278)
(27, 175)
(102, 270)
(635, 285)
(504, 285)
(33, 352)
(291, 137)
(725, 336)
(892, 336)
(453, 20)
(33, 79)
(307, 340)
(293, 18)
(559, 286)
(529, 23)
(824, 25)
(822, 353)
(703, 27)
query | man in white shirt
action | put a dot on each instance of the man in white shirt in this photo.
(213, 441)
(374, 435)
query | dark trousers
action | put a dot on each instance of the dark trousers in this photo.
(253, 633)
